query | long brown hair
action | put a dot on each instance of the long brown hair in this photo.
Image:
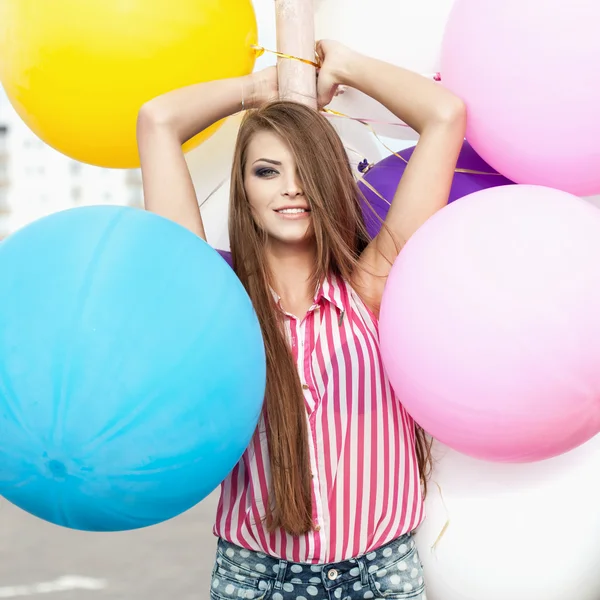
(340, 236)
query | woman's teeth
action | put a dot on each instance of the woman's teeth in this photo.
(292, 211)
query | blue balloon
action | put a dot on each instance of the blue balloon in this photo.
(132, 369)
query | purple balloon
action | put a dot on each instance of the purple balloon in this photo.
(386, 174)
(227, 256)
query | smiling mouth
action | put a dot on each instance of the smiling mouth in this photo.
(292, 211)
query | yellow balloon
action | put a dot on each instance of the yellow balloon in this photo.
(78, 71)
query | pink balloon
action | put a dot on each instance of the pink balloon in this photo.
(490, 324)
(529, 73)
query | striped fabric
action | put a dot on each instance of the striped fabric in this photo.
(366, 488)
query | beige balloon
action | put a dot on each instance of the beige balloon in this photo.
(407, 34)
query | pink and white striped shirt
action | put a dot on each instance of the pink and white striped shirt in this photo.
(366, 489)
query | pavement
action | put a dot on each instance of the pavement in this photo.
(170, 561)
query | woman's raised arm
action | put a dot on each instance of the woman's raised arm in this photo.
(437, 115)
(168, 121)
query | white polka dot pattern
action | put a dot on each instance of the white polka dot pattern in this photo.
(393, 571)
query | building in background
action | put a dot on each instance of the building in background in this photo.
(36, 180)
(4, 205)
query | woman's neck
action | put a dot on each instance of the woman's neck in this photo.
(292, 268)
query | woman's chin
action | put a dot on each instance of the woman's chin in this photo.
(299, 238)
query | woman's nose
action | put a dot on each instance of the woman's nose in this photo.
(293, 189)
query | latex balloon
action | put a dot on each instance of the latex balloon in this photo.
(595, 200)
(132, 369)
(520, 66)
(493, 531)
(78, 72)
(407, 34)
(489, 327)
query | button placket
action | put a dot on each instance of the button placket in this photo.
(304, 363)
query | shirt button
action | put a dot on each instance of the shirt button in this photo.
(318, 528)
(305, 387)
(332, 574)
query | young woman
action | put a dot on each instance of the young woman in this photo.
(323, 502)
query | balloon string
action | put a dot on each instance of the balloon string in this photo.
(260, 50)
(362, 180)
(335, 113)
(214, 191)
(364, 121)
(446, 524)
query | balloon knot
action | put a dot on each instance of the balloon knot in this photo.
(364, 166)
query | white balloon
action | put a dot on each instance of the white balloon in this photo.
(210, 168)
(404, 33)
(595, 200)
(513, 531)
(215, 216)
(408, 34)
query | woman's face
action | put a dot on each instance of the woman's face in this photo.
(276, 198)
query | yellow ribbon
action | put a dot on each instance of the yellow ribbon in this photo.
(260, 50)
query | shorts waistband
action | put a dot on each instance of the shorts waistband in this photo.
(331, 575)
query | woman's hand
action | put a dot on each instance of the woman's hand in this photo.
(336, 61)
(261, 87)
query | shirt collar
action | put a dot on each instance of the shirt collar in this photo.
(329, 289)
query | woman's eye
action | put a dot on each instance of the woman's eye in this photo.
(266, 172)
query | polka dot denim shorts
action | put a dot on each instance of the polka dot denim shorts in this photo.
(394, 571)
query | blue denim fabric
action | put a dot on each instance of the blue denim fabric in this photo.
(393, 571)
